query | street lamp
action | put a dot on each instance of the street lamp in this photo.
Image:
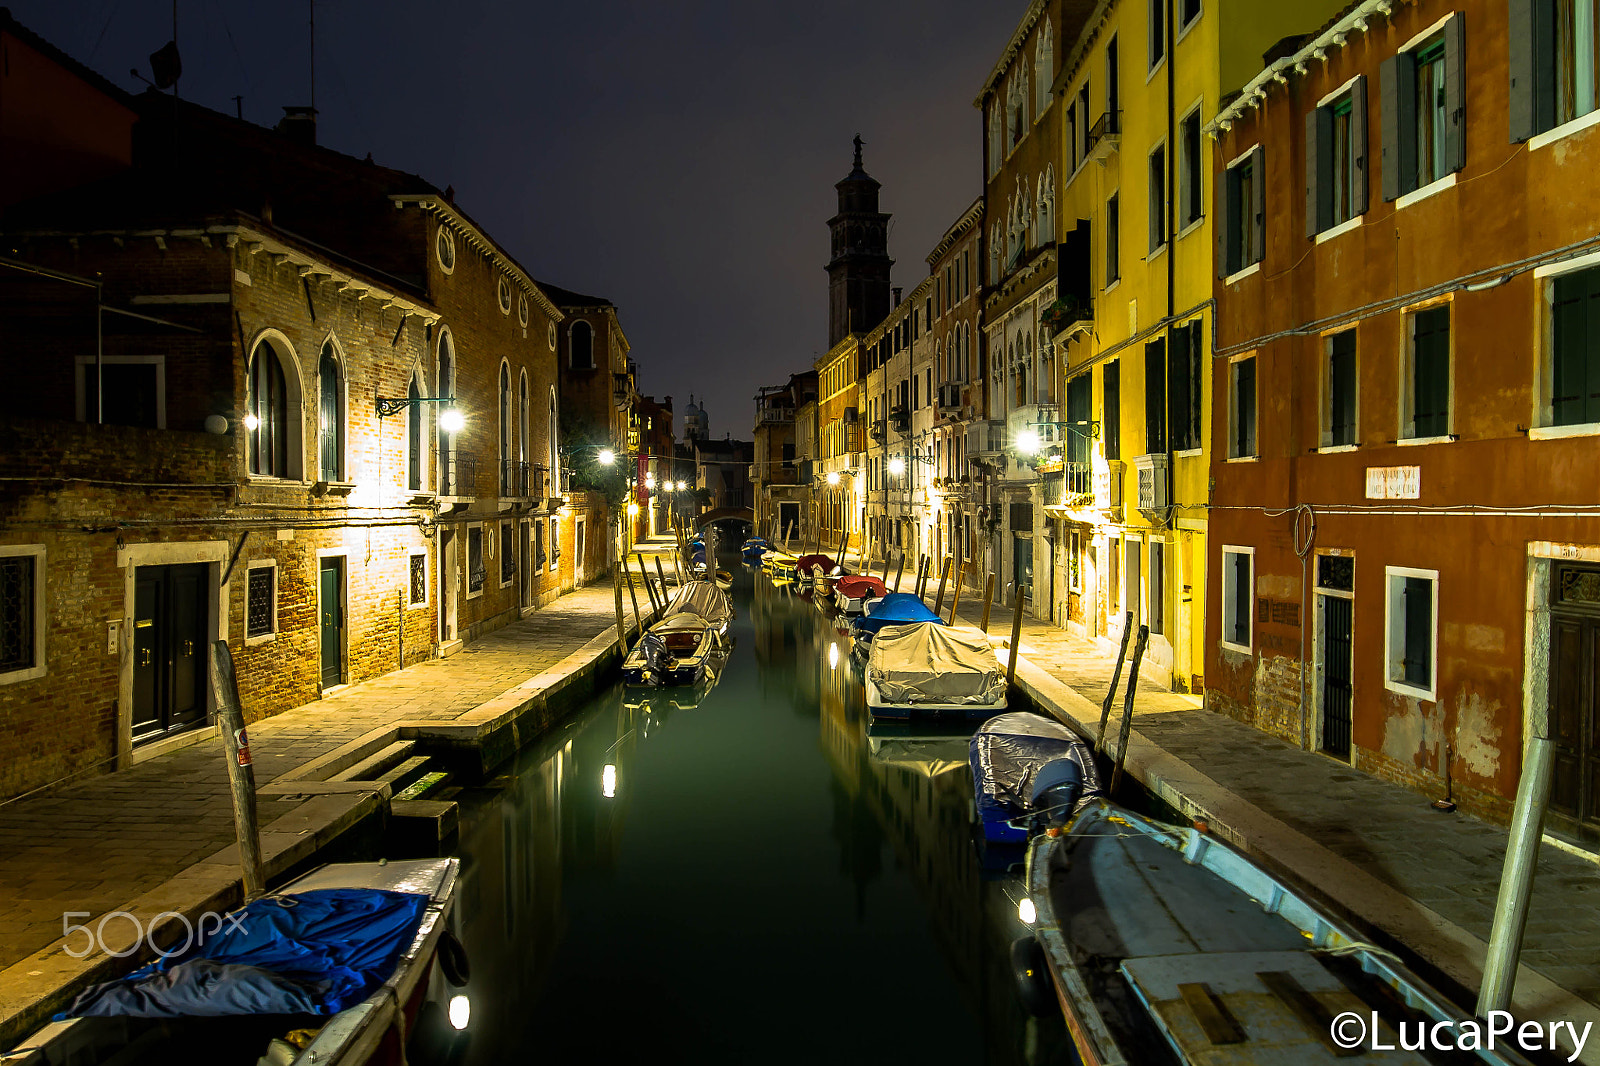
(606, 457)
(1028, 442)
(833, 478)
(681, 486)
(897, 466)
(450, 419)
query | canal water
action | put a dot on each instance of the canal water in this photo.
(756, 876)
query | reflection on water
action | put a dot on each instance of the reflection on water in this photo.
(744, 875)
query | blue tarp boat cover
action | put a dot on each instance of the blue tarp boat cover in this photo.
(313, 953)
(895, 609)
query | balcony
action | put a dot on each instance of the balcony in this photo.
(768, 416)
(515, 478)
(1153, 483)
(1103, 137)
(900, 418)
(879, 431)
(986, 439)
(1071, 486)
(949, 400)
(458, 474)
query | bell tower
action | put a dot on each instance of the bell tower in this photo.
(858, 273)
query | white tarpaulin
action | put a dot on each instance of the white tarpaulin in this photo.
(703, 599)
(929, 663)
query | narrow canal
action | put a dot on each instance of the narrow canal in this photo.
(756, 877)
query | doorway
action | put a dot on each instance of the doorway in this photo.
(1334, 664)
(1022, 566)
(1574, 721)
(578, 556)
(331, 615)
(169, 649)
(1133, 569)
(447, 585)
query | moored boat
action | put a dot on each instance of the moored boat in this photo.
(1027, 767)
(352, 963)
(853, 591)
(1165, 947)
(703, 599)
(681, 649)
(929, 668)
(892, 609)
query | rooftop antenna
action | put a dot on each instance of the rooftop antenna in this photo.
(311, 8)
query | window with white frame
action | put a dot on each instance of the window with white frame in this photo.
(1158, 586)
(1242, 408)
(1336, 159)
(271, 414)
(1191, 188)
(260, 600)
(1573, 365)
(1113, 241)
(1426, 413)
(127, 390)
(22, 612)
(445, 246)
(419, 579)
(508, 553)
(1158, 197)
(414, 438)
(1238, 596)
(330, 415)
(1424, 88)
(1043, 66)
(476, 572)
(1411, 631)
(1555, 63)
(503, 290)
(1158, 32)
(1188, 11)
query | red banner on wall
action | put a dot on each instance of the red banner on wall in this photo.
(641, 494)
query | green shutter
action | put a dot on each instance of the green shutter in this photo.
(1530, 33)
(1397, 77)
(1227, 222)
(1575, 369)
(1342, 387)
(1178, 389)
(1155, 396)
(1111, 413)
(1431, 372)
(1455, 93)
(1358, 146)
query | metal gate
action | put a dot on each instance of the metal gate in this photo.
(1336, 688)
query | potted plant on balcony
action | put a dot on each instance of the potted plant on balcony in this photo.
(1064, 312)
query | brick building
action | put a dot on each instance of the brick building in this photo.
(196, 448)
(650, 441)
(780, 494)
(1405, 566)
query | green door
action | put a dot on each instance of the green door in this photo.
(169, 640)
(331, 597)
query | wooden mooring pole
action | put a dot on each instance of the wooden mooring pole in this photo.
(1016, 640)
(1127, 709)
(899, 569)
(241, 774)
(944, 576)
(955, 599)
(622, 621)
(988, 600)
(1116, 676)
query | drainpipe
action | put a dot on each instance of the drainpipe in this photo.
(1172, 289)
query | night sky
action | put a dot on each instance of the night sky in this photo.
(676, 158)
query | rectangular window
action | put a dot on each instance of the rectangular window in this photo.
(1577, 74)
(1085, 123)
(1111, 78)
(1158, 585)
(22, 612)
(1191, 194)
(1341, 403)
(1073, 158)
(1075, 561)
(508, 554)
(539, 556)
(475, 569)
(1113, 241)
(1188, 11)
(1158, 197)
(261, 599)
(1424, 93)
(130, 390)
(1241, 231)
(1155, 396)
(1111, 410)
(1238, 596)
(555, 544)
(1336, 160)
(1429, 378)
(1242, 408)
(1186, 380)
(419, 579)
(1158, 32)
(1575, 355)
(1410, 624)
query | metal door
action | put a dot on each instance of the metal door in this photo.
(1337, 691)
(331, 603)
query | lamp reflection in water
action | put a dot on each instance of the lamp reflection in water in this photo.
(608, 781)
(1026, 912)
(460, 1012)
(833, 656)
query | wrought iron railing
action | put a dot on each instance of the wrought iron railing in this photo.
(458, 473)
(514, 477)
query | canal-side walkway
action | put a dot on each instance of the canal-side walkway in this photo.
(159, 835)
(1374, 849)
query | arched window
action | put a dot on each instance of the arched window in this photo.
(582, 346)
(330, 416)
(1047, 206)
(414, 435)
(446, 440)
(522, 419)
(268, 403)
(553, 433)
(994, 254)
(1044, 66)
(508, 481)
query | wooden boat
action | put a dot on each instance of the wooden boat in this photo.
(703, 599)
(1162, 946)
(929, 668)
(681, 649)
(853, 591)
(420, 1001)
(806, 566)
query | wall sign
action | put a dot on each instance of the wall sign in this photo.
(1394, 482)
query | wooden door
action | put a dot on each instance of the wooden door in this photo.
(169, 641)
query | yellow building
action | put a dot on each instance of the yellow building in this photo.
(839, 486)
(1128, 489)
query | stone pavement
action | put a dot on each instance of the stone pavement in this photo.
(94, 845)
(1450, 863)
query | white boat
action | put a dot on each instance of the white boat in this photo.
(681, 649)
(931, 668)
(421, 1001)
(703, 599)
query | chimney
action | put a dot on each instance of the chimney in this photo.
(897, 292)
(299, 124)
(667, 402)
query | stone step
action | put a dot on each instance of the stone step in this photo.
(420, 827)
(401, 776)
(370, 768)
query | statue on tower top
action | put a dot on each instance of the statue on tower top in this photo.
(859, 143)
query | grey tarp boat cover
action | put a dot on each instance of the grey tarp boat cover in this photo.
(926, 662)
(1010, 749)
(703, 599)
